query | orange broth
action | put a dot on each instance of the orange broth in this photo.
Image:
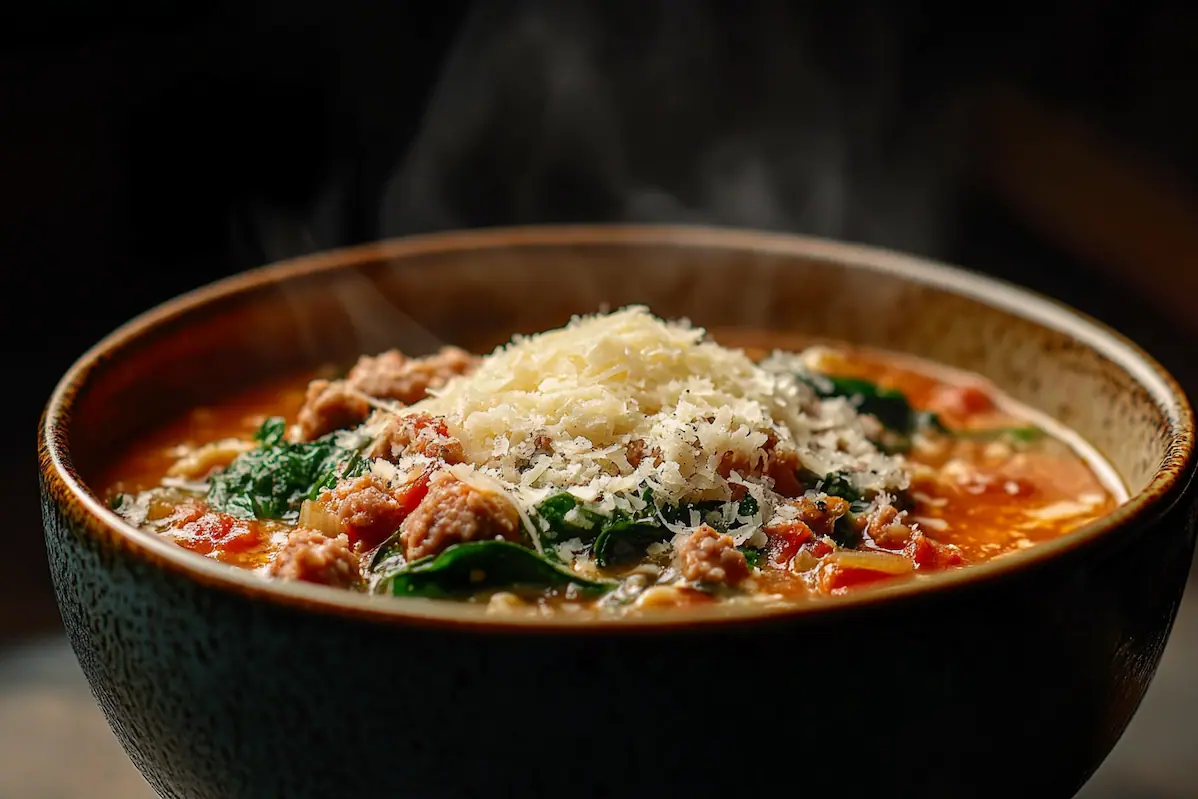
(982, 497)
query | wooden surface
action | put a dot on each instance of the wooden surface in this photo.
(57, 745)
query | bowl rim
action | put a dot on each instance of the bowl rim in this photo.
(64, 484)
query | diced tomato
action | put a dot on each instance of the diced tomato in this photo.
(783, 542)
(414, 492)
(925, 553)
(961, 402)
(184, 513)
(206, 532)
(819, 547)
(836, 579)
(422, 420)
(786, 482)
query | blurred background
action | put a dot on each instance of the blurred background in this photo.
(149, 148)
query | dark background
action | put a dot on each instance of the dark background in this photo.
(149, 148)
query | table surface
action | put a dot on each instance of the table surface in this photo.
(46, 710)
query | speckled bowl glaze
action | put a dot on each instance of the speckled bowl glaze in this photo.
(1014, 677)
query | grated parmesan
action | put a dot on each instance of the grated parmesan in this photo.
(563, 411)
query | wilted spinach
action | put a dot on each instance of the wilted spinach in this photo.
(752, 555)
(623, 538)
(888, 405)
(892, 409)
(271, 481)
(478, 565)
(553, 511)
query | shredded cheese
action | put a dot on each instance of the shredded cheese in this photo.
(613, 404)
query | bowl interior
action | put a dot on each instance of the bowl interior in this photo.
(476, 289)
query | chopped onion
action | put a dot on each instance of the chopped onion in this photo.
(315, 516)
(870, 560)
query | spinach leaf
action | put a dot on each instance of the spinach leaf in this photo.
(708, 512)
(748, 506)
(901, 421)
(271, 432)
(622, 539)
(752, 555)
(355, 466)
(271, 481)
(837, 484)
(834, 484)
(846, 531)
(478, 565)
(1024, 434)
(889, 406)
(553, 510)
(389, 549)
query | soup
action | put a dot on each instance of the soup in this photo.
(620, 464)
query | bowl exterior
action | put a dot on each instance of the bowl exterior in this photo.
(1020, 681)
(1019, 685)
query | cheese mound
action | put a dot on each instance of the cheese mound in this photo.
(612, 404)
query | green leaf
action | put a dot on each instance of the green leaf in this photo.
(837, 484)
(553, 511)
(748, 506)
(479, 565)
(271, 432)
(681, 513)
(888, 405)
(1023, 434)
(622, 539)
(271, 481)
(753, 555)
(355, 466)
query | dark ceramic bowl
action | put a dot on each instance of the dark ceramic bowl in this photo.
(1013, 677)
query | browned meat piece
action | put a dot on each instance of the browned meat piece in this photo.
(315, 558)
(821, 514)
(329, 406)
(781, 465)
(366, 508)
(710, 557)
(887, 528)
(418, 434)
(734, 462)
(452, 513)
(394, 376)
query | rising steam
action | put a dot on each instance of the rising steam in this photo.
(775, 116)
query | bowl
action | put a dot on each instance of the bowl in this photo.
(1018, 675)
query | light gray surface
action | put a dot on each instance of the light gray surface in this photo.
(56, 744)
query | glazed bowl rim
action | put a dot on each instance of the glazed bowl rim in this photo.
(64, 484)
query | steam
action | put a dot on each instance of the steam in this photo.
(663, 112)
(764, 114)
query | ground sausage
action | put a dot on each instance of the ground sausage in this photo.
(780, 465)
(710, 557)
(315, 558)
(453, 512)
(365, 507)
(417, 434)
(328, 406)
(887, 528)
(820, 514)
(394, 376)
